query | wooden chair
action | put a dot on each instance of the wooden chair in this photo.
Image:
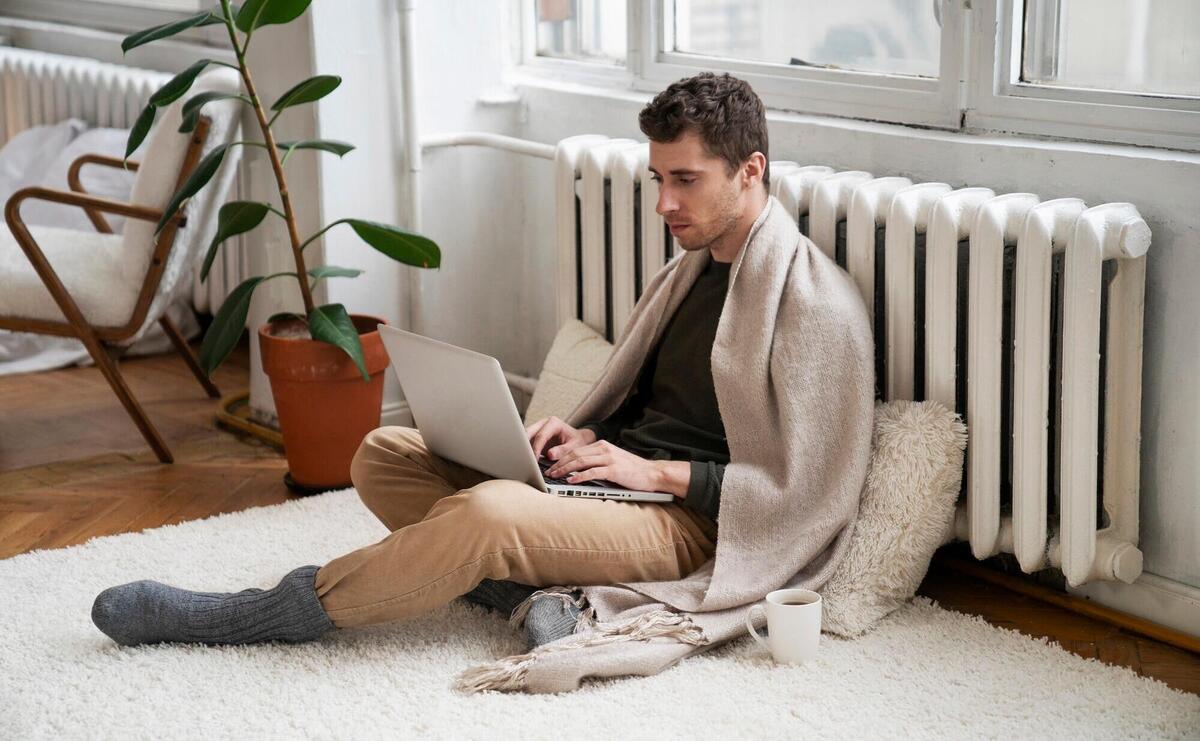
(100, 340)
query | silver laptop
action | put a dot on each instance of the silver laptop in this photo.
(461, 404)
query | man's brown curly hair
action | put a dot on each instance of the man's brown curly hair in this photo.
(725, 111)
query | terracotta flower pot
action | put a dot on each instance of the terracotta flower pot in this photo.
(325, 407)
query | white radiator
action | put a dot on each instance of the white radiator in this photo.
(992, 304)
(39, 88)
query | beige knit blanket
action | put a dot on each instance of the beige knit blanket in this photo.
(793, 370)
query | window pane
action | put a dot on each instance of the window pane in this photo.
(898, 37)
(1140, 46)
(588, 30)
(182, 5)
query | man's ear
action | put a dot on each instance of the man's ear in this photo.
(752, 171)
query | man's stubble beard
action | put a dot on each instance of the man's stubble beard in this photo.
(728, 225)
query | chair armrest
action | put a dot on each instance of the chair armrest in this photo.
(20, 232)
(70, 198)
(76, 184)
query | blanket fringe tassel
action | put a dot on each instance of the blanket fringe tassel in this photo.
(509, 673)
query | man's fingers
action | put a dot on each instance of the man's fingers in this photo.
(543, 436)
(599, 472)
(577, 459)
(532, 428)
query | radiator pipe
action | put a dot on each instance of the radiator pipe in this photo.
(412, 139)
(485, 139)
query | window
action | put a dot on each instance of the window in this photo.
(887, 60)
(1123, 71)
(894, 37)
(584, 30)
(117, 16)
(1139, 46)
(188, 6)
(1107, 70)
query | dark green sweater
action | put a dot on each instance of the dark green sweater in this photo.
(672, 413)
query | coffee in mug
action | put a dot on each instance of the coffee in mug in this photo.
(793, 625)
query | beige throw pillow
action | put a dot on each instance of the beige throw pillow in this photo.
(572, 367)
(907, 505)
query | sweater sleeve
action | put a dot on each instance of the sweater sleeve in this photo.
(704, 488)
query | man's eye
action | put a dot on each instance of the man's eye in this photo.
(687, 182)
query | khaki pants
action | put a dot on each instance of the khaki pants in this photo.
(453, 526)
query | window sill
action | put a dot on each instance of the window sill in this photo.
(629, 90)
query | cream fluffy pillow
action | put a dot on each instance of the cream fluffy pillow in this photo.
(572, 367)
(907, 505)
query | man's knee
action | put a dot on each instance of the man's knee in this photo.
(491, 507)
(382, 447)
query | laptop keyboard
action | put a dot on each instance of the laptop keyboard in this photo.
(545, 463)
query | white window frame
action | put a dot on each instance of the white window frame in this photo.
(978, 88)
(110, 16)
(876, 96)
(649, 67)
(586, 72)
(999, 101)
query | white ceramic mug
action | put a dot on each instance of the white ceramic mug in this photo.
(793, 625)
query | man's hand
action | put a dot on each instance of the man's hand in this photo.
(563, 438)
(603, 460)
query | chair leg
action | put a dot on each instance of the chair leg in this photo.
(108, 366)
(189, 357)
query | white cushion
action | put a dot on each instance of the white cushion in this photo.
(907, 506)
(574, 364)
(98, 270)
(98, 180)
(25, 157)
(104, 273)
(161, 157)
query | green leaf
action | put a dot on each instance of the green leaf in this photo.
(256, 13)
(398, 244)
(197, 180)
(314, 88)
(178, 85)
(286, 315)
(167, 29)
(234, 218)
(333, 271)
(191, 109)
(325, 145)
(141, 127)
(331, 323)
(226, 328)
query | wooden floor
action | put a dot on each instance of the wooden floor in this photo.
(73, 467)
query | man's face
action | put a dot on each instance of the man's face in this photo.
(696, 196)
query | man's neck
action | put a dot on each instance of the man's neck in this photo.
(727, 250)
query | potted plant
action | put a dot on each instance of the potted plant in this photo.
(325, 365)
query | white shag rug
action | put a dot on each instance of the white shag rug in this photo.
(924, 672)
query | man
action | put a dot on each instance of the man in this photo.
(455, 531)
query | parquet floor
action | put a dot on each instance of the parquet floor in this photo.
(73, 467)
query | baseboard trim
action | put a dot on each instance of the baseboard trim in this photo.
(1150, 627)
(396, 413)
(1151, 597)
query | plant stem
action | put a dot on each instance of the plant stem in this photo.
(269, 138)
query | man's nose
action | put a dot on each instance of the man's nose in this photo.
(666, 201)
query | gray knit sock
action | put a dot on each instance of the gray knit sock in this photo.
(150, 612)
(499, 594)
(549, 619)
